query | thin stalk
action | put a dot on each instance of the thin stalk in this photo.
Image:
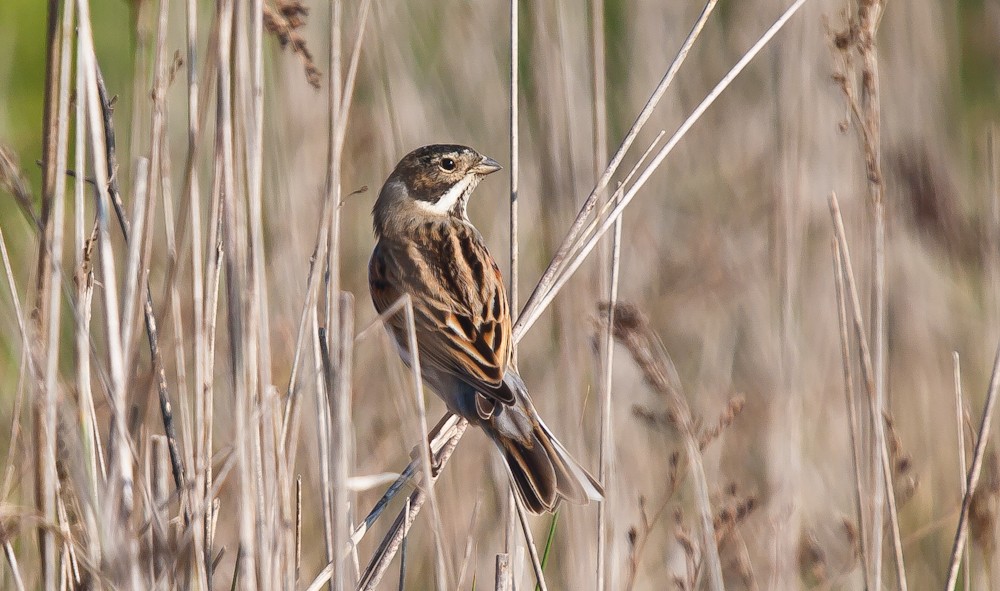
(333, 174)
(192, 197)
(514, 164)
(247, 141)
(425, 453)
(54, 157)
(15, 571)
(90, 433)
(26, 368)
(515, 167)
(607, 454)
(339, 394)
(962, 463)
(536, 563)
(599, 116)
(142, 192)
(502, 577)
(119, 449)
(298, 527)
(235, 259)
(469, 543)
(852, 412)
(323, 432)
(875, 413)
(402, 551)
(961, 535)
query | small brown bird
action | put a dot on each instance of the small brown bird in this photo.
(428, 248)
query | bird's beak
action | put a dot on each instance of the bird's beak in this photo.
(486, 166)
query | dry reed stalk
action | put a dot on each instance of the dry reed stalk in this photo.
(502, 579)
(206, 390)
(600, 156)
(298, 527)
(884, 473)
(136, 234)
(514, 231)
(143, 178)
(323, 433)
(8, 551)
(290, 421)
(333, 170)
(442, 574)
(55, 128)
(852, 413)
(338, 388)
(536, 564)
(241, 345)
(333, 488)
(868, 117)
(191, 201)
(70, 564)
(424, 452)
(875, 414)
(118, 501)
(157, 461)
(469, 543)
(515, 167)
(993, 198)
(402, 550)
(50, 175)
(13, 182)
(189, 503)
(869, 13)
(96, 470)
(960, 433)
(961, 535)
(22, 325)
(246, 127)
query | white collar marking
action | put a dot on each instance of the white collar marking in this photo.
(455, 195)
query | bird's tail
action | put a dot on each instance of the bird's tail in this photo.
(541, 469)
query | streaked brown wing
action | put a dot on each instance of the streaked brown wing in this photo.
(460, 306)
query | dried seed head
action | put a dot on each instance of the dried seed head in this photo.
(812, 559)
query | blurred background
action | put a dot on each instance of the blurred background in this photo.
(726, 250)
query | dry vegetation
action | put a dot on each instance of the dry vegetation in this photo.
(199, 396)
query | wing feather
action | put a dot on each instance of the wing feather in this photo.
(461, 313)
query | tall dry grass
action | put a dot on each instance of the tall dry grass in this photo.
(205, 399)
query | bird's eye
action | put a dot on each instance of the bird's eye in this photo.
(447, 164)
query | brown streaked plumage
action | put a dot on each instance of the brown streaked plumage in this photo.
(427, 248)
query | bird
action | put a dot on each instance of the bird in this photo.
(426, 248)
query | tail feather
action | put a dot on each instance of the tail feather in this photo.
(542, 471)
(532, 474)
(575, 484)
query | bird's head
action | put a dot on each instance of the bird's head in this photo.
(432, 181)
